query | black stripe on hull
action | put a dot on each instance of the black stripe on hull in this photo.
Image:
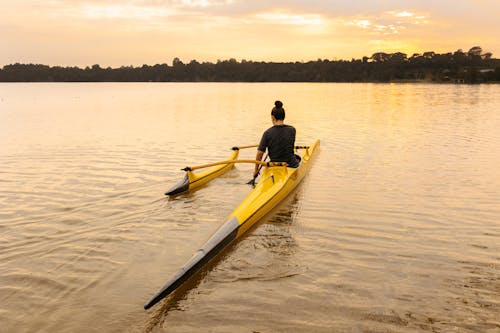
(225, 235)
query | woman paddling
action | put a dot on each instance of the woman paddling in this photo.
(279, 140)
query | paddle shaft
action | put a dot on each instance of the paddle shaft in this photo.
(260, 167)
(266, 164)
(245, 147)
(261, 164)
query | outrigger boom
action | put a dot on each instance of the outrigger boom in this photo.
(193, 180)
(268, 164)
(276, 183)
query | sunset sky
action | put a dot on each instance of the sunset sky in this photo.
(135, 32)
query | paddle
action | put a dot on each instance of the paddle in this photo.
(252, 181)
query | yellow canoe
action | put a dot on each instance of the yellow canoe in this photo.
(277, 181)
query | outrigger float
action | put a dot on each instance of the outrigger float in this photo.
(193, 180)
(276, 182)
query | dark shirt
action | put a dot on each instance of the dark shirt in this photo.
(280, 143)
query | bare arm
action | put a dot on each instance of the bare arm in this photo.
(258, 157)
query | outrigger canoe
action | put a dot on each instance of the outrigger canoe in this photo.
(276, 182)
(193, 180)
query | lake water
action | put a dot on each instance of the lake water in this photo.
(395, 229)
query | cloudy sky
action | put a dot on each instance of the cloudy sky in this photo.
(135, 32)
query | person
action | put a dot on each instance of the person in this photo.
(279, 140)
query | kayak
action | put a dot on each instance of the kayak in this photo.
(193, 180)
(276, 182)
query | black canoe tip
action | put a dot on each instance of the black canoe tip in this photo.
(164, 292)
(224, 235)
(180, 187)
(150, 304)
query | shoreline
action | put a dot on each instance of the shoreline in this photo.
(374, 82)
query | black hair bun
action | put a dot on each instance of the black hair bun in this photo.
(278, 104)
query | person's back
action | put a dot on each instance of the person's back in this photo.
(279, 140)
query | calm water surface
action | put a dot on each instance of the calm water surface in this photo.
(395, 229)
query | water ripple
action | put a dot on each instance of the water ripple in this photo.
(395, 228)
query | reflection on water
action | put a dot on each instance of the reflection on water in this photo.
(395, 228)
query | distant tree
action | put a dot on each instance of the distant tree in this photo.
(429, 55)
(459, 57)
(487, 56)
(475, 51)
(474, 55)
(380, 57)
(398, 57)
(178, 70)
(177, 62)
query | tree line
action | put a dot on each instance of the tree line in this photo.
(472, 66)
